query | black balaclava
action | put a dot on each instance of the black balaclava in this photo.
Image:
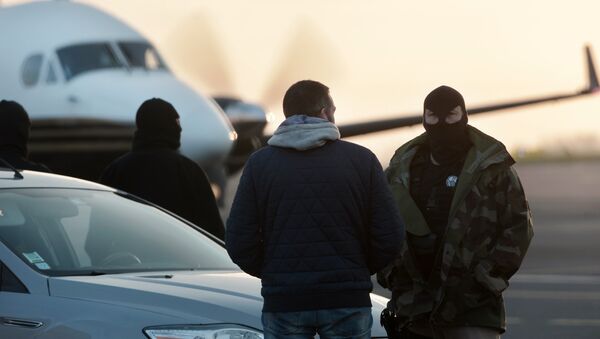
(157, 125)
(448, 142)
(14, 127)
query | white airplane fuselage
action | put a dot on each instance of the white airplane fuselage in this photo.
(69, 63)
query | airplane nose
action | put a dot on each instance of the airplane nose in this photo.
(207, 136)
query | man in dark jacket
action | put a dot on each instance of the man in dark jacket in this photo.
(314, 218)
(155, 171)
(468, 227)
(14, 135)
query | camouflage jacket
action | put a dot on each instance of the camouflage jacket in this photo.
(489, 230)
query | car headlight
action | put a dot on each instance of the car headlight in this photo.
(215, 331)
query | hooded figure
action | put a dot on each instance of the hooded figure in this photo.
(14, 135)
(468, 227)
(154, 170)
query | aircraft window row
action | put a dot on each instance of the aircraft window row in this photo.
(30, 72)
(141, 54)
(77, 59)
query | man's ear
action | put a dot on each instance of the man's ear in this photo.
(323, 113)
(327, 115)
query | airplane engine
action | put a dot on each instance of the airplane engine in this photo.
(249, 121)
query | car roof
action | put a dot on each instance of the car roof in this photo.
(33, 179)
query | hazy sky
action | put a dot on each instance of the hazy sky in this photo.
(381, 58)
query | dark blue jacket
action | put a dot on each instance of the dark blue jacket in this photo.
(314, 225)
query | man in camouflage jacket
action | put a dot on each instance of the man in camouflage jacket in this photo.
(451, 286)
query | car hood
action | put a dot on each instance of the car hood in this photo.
(193, 297)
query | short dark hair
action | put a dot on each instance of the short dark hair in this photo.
(306, 97)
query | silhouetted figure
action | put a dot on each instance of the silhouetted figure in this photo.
(156, 171)
(313, 217)
(14, 135)
(468, 227)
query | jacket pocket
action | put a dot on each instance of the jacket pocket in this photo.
(463, 293)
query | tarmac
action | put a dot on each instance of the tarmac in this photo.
(556, 294)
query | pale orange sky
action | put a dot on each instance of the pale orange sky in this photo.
(381, 58)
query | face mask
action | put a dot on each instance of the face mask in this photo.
(445, 121)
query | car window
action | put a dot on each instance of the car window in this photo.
(77, 59)
(70, 232)
(9, 282)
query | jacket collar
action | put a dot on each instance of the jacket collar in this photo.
(302, 133)
(486, 151)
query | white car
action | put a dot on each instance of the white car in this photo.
(82, 260)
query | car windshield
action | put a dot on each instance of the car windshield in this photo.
(77, 59)
(141, 54)
(86, 232)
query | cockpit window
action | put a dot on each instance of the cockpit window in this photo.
(30, 71)
(77, 59)
(141, 54)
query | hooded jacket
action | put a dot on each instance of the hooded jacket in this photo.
(313, 218)
(169, 180)
(154, 170)
(489, 230)
(14, 135)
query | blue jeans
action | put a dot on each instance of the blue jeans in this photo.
(339, 323)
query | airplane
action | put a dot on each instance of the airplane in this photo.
(81, 74)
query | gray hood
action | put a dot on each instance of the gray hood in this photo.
(177, 297)
(192, 297)
(302, 133)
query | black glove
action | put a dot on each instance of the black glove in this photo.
(391, 323)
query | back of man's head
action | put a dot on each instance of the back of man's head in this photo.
(157, 123)
(156, 114)
(14, 126)
(306, 97)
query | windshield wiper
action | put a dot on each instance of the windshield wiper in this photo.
(80, 273)
(94, 273)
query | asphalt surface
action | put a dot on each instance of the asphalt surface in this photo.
(556, 293)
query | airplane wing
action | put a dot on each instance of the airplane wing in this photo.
(361, 128)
